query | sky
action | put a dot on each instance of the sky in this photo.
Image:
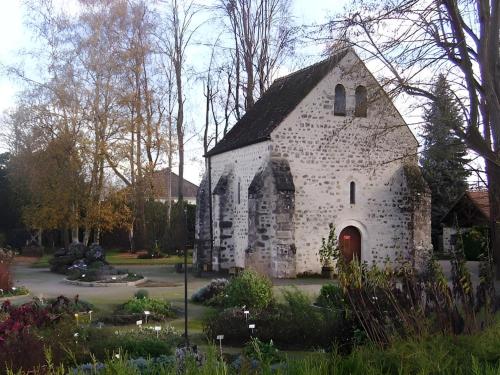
(16, 36)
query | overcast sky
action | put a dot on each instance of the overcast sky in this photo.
(16, 36)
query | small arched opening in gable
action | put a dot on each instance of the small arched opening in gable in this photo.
(361, 108)
(339, 105)
(352, 192)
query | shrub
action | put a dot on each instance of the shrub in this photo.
(264, 352)
(6, 258)
(67, 305)
(475, 242)
(135, 343)
(331, 296)
(211, 294)
(293, 324)
(34, 327)
(141, 294)
(249, 289)
(160, 309)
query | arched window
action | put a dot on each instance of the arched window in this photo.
(352, 193)
(361, 102)
(339, 105)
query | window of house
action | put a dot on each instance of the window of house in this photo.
(361, 107)
(352, 196)
(339, 105)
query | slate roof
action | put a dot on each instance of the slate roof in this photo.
(276, 103)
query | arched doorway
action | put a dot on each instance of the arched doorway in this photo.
(350, 243)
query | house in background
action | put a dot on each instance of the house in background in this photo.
(322, 145)
(472, 209)
(166, 189)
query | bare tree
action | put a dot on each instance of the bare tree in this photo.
(181, 29)
(263, 37)
(414, 41)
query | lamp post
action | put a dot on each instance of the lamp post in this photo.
(185, 280)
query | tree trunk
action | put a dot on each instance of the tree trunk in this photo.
(65, 237)
(39, 237)
(493, 173)
(86, 236)
(74, 234)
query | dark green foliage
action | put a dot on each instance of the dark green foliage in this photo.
(404, 302)
(133, 310)
(432, 355)
(444, 155)
(296, 323)
(141, 294)
(156, 306)
(10, 216)
(331, 296)
(475, 242)
(135, 343)
(249, 289)
(171, 235)
(73, 305)
(212, 294)
(264, 352)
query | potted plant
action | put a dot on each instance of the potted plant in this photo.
(328, 253)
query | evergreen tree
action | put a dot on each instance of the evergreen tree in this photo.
(444, 156)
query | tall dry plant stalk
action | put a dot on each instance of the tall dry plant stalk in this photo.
(400, 301)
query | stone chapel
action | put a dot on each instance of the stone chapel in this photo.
(322, 145)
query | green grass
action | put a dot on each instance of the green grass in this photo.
(42, 262)
(116, 258)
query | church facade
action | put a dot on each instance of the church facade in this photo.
(322, 145)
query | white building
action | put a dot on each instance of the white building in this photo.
(322, 145)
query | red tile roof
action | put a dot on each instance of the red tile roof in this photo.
(481, 200)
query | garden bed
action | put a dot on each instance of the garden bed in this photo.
(119, 280)
(14, 293)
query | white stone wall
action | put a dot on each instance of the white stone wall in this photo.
(327, 152)
(244, 163)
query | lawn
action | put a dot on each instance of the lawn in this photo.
(118, 258)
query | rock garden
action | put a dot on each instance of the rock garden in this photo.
(87, 264)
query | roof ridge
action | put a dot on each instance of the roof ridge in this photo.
(333, 55)
(275, 104)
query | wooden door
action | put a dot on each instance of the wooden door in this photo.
(350, 243)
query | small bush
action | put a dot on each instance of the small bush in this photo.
(157, 307)
(263, 352)
(135, 343)
(293, 324)
(141, 294)
(211, 294)
(331, 296)
(249, 289)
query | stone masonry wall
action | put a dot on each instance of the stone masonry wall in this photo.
(326, 153)
(271, 243)
(244, 163)
(201, 255)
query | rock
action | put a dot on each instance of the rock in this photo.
(95, 252)
(79, 265)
